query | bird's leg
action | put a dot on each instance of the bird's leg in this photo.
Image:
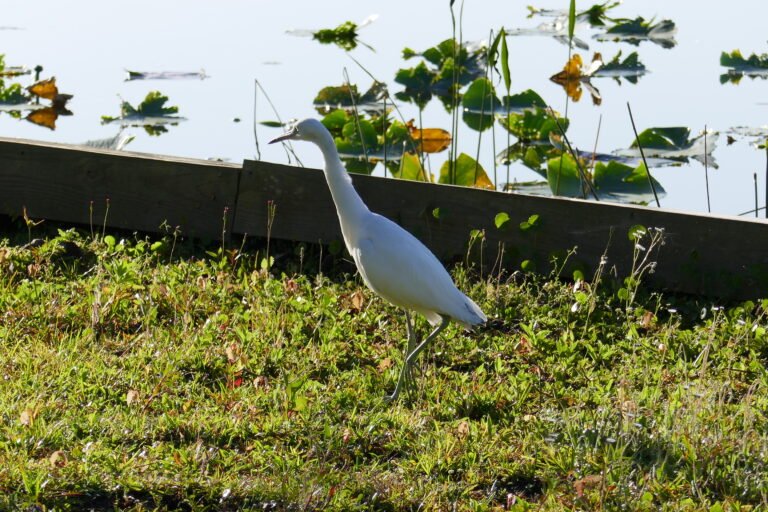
(413, 341)
(411, 334)
(405, 375)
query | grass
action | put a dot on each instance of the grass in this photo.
(146, 374)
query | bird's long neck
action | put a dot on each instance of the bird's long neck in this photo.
(349, 205)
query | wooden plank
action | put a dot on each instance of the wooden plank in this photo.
(703, 254)
(62, 183)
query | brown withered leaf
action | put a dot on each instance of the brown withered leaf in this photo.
(132, 396)
(588, 482)
(463, 429)
(27, 417)
(290, 285)
(571, 71)
(233, 353)
(58, 459)
(44, 117)
(385, 364)
(648, 320)
(430, 140)
(358, 300)
(45, 88)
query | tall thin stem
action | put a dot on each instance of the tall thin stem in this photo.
(642, 154)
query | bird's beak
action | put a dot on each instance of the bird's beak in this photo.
(287, 135)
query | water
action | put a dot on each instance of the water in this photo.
(88, 46)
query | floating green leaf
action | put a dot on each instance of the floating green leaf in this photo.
(467, 172)
(624, 183)
(737, 61)
(533, 126)
(453, 66)
(754, 66)
(630, 68)
(11, 94)
(479, 102)
(151, 114)
(411, 168)
(344, 36)
(563, 177)
(597, 15)
(346, 96)
(637, 30)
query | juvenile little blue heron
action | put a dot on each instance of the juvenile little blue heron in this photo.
(393, 263)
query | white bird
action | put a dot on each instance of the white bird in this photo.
(393, 263)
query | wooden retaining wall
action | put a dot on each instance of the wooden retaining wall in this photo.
(717, 256)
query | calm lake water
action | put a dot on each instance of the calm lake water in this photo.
(88, 45)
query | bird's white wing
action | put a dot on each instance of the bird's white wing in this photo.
(397, 266)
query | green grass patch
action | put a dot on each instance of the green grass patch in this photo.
(152, 374)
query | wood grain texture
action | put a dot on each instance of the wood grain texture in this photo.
(61, 182)
(704, 254)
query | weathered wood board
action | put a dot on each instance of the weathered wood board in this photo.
(62, 182)
(703, 254)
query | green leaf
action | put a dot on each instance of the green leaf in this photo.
(505, 63)
(636, 232)
(343, 36)
(737, 61)
(366, 133)
(479, 102)
(675, 137)
(411, 169)
(571, 19)
(154, 105)
(493, 50)
(335, 122)
(501, 220)
(271, 124)
(532, 222)
(620, 180)
(418, 84)
(467, 172)
(563, 177)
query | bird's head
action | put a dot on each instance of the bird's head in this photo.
(308, 129)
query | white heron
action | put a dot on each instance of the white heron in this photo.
(393, 263)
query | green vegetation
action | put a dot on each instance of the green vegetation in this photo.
(149, 374)
(151, 114)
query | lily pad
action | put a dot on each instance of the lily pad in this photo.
(343, 36)
(563, 177)
(411, 169)
(451, 67)
(151, 114)
(630, 68)
(620, 182)
(755, 66)
(638, 30)
(479, 103)
(533, 125)
(672, 143)
(467, 172)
